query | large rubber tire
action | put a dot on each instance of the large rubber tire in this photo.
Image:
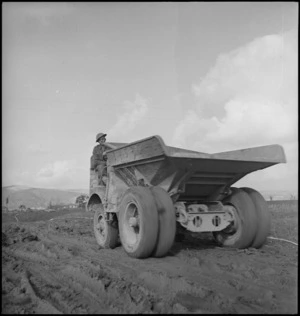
(263, 216)
(106, 233)
(138, 204)
(246, 221)
(166, 222)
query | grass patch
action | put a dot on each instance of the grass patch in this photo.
(284, 219)
(34, 216)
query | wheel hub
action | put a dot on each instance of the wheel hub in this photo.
(133, 222)
(230, 213)
(101, 226)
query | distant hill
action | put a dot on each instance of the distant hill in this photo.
(37, 197)
(82, 191)
(15, 188)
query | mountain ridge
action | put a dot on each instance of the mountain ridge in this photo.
(14, 196)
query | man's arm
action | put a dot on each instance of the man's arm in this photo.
(95, 150)
(109, 146)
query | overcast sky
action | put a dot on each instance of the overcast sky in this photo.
(205, 76)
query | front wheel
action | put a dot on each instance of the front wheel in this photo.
(106, 233)
(138, 222)
(241, 233)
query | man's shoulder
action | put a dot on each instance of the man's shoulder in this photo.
(99, 147)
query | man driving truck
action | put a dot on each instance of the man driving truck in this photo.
(98, 159)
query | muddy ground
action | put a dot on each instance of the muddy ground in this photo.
(54, 266)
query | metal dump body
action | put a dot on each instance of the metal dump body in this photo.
(188, 175)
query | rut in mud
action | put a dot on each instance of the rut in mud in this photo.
(55, 266)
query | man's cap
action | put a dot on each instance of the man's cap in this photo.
(100, 135)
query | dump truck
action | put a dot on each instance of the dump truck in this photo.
(154, 191)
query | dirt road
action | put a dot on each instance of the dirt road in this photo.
(55, 266)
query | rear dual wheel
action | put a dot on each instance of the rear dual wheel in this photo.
(263, 217)
(147, 222)
(251, 221)
(241, 232)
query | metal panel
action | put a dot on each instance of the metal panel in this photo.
(138, 151)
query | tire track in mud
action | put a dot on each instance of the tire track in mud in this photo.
(178, 288)
(66, 292)
(177, 282)
(157, 281)
(57, 267)
(77, 286)
(69, 286)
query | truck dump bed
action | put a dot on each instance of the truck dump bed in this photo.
(195, 175)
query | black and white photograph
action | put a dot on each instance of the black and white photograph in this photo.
(150, 157)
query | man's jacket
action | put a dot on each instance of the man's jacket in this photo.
(97, 157)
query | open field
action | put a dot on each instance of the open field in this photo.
(33, 216)
(284, 219)
(52, 264)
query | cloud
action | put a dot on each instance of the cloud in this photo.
(248, 98)
(62, 174)
(58, 169)
(37, 149)
(47, 9)
(128, 120)
(43, 12)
